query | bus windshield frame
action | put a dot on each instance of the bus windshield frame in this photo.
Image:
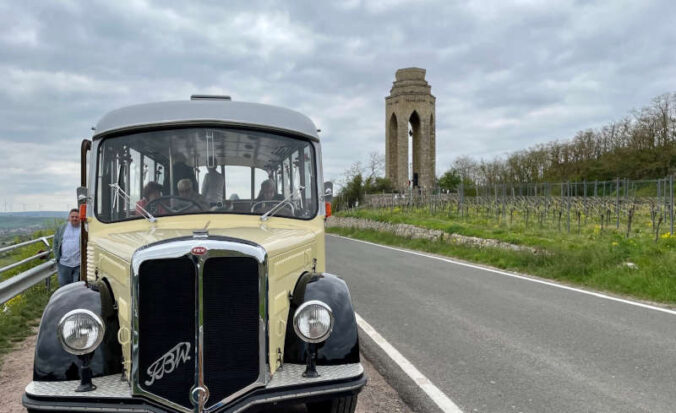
(205, 170)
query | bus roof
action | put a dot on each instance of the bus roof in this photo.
(192, 112)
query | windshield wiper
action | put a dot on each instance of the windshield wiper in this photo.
(119, 193)
(279, 205)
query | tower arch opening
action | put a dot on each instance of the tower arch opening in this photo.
(415, 146)
(392, 147)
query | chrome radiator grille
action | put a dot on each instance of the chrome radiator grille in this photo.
(199, 325)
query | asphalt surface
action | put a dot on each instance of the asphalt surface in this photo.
(494, 343)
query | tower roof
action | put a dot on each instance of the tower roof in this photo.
(410, 81)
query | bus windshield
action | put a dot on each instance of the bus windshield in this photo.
(205, 170)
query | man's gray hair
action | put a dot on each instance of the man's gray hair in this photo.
(184, 185)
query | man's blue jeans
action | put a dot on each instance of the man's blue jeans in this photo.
(67, 274)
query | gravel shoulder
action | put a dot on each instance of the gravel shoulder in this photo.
(16, 371)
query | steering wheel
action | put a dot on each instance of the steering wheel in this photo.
(154, 205)
(284, 204)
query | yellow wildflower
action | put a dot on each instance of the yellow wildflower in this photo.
(14, 301)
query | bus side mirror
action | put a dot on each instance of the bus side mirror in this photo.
(82, 195)
(328, 191)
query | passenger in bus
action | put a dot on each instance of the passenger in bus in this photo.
(186, 191)
(181, 170)
(213, 187)
(268, 191)
(151, 192)
(266, 196)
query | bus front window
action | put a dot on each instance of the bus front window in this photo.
(204, 170)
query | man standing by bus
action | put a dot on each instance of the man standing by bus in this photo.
(67, 249)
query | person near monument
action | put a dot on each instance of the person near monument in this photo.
(67, 249)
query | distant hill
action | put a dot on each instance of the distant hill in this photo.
(36, 214)
(20, 224)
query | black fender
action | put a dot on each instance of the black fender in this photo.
(52, 362)
(342, 346)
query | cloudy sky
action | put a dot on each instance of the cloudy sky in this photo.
(506, 75)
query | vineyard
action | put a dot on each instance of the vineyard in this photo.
(633, 208)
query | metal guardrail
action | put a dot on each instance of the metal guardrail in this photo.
(17, 284)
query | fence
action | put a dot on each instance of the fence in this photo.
(18, 283)
(617, 202)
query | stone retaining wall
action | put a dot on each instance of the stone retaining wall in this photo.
(413, 232)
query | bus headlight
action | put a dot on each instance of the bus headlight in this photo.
(313, 321)
(80, 331)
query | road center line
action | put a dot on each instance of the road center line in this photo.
(521, 277)
(437, 396)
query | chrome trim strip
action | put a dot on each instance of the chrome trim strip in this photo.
(176, 249)
(199, 394)
(215, 248)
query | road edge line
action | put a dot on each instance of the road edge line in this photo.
(437, 396)
(514, 275)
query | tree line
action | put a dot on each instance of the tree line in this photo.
(640, 146)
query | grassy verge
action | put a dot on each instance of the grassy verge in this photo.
(515, 230)
(595, 263)
(19, 315)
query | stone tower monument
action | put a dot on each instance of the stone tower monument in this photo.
(410, 103)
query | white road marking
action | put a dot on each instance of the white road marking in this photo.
(521, 277)
(437, 396)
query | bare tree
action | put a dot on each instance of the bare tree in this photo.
(376, 165)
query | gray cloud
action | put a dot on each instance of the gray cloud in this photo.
(506, 75)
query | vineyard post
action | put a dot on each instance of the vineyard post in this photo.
(568, 208)
(665, 198)
(665, 193)
(585, 190)
(431, 202)
(596, 188)
(504, 195)
(546, 189)
(497, 206)
(584, 206)
(659, 181)
(671, 205)
(462, 196)
(617, 202)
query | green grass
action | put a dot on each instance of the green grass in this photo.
(592, 258)
(19, 315)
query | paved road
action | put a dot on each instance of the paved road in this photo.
(494, 343)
